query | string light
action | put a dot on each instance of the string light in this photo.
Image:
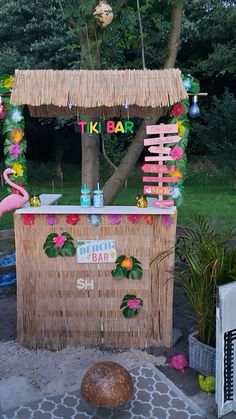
(194, 110)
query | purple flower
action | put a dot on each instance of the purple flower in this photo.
(166, 220)
(15, 150)
(51, 219)
(114, 218)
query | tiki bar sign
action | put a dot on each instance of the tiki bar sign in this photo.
(108, 127)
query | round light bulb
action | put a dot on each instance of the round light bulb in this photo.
(70, 105)
(194, 110)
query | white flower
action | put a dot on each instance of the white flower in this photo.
(175, 192)
(16, 116)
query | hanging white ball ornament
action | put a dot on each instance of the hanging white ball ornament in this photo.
(103, 14)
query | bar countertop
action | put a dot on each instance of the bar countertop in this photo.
(77, 209)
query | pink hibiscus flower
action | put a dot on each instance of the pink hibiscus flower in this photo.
(134, 304)
(177, 153)
(59, 240)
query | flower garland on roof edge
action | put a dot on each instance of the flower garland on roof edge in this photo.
(178, 114)
(13, 130)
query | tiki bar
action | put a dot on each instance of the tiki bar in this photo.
(90, 274)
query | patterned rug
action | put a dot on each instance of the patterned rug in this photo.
(155, 397)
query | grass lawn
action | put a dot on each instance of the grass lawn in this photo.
(210, 193)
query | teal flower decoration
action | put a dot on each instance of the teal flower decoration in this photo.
(16, 116)
(175, 192)
(94, 219)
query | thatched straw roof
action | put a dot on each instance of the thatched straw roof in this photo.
(97, 93)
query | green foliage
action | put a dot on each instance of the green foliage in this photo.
(209, 37)
(115, 149)
(192, 85)
(121, 40)
(210, 263)
(215, 132)
(32, 35)
(14, 121)
(206, 183)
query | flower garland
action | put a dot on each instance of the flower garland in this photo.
(178, 114)
(13, 130)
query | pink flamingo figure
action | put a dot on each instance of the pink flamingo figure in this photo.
(13, 201)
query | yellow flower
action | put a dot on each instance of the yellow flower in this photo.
(18, 169)
(181, 128)
(8, 83)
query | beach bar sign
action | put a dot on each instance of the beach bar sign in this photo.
(96, 251)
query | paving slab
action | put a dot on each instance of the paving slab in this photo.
(155, 396)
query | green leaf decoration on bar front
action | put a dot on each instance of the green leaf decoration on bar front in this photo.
(59, 245)
(127, 267)
(131, 306)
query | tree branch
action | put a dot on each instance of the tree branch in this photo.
(120, 3)
(105, 154)
(174, 35)
(127, 165)
(141, 34)
(72, 23)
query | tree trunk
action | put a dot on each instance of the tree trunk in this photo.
(89, 51)
(90, 58)
(174, 35)
(127, 165)
(90, 55)
(90, 159)
(59, 154)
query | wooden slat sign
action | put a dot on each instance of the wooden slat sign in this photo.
(160, 149)
(159, 158)
(164, 203)
(162, 140)
(153, 179)
(155, 168)
(162, 129)
(160, 153)
(155, 190)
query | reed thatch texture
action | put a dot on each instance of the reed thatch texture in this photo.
(97, 93)
(53, 313)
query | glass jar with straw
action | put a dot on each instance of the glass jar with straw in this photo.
(98, 199)
(85, 196)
